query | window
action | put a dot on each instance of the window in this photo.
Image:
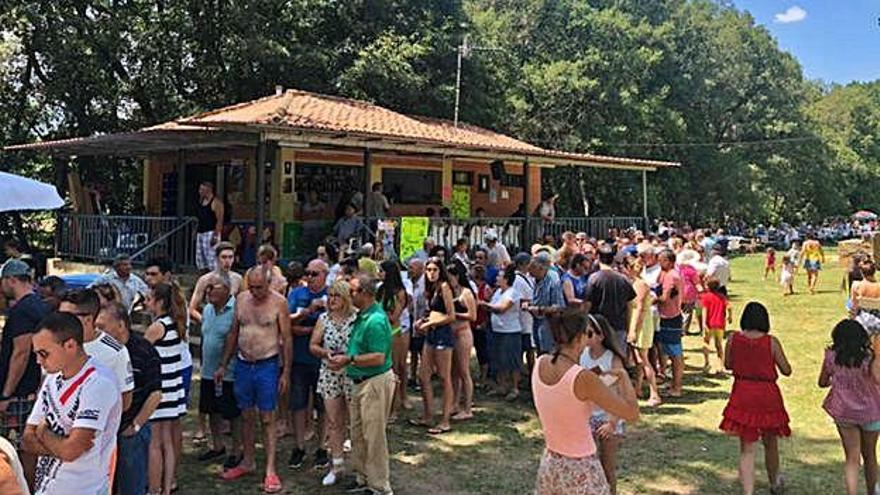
(410, 186)
(512, 180)
(462, 178)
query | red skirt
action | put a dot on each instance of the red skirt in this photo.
(755, 408)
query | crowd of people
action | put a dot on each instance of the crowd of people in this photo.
(330, 352)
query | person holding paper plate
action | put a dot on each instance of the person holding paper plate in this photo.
(439, 344)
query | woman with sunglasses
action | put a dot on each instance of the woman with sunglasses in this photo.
(165, 335)
(565, 394)
(329, 338)
(394, 299)
(465, 314)
(439, 344)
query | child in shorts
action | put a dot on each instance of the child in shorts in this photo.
(716, 313)
(853, 373)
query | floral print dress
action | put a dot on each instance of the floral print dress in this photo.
(335, 384)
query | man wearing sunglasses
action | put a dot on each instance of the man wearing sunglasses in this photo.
(19, 371)
(306, 304)
(368, 364)
(74, 422)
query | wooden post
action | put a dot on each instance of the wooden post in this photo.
(181, 183)
(645, 200)
(524, 241)
(368, 169)
(259, 197)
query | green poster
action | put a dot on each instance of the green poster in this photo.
(413, 231)
(461, 201)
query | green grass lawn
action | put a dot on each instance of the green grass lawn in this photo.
(674, 449)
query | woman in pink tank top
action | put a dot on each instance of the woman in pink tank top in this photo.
(564, 393)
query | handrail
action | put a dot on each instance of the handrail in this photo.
(164, 236)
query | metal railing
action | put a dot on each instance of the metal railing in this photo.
(511, 230)
(101, 237)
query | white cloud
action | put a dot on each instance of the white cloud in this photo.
(793, 14)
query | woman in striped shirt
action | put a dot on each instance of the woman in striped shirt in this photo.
(163, 333)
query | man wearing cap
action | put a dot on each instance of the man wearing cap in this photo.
(19, 371)
(131, 287)
(608, 293)
(548, 299)
(496, 254)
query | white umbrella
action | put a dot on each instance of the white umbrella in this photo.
(21, 193)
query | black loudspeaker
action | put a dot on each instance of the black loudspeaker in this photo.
(497, 168)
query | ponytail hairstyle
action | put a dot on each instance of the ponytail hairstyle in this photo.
(173, 304)
(598, 323)
(851, 344)
(391, 286)
(566, 326)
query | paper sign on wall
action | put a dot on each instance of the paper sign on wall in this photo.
(413, 231)
(461, 201)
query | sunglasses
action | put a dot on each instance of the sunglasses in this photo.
(152, 274)
(312, 274)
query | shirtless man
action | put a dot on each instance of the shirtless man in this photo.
(261, 317)
(225, 254)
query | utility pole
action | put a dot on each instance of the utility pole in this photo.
(463, 51)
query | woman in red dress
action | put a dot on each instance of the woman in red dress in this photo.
(755, 409)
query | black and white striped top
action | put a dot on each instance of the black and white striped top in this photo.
(173, 403)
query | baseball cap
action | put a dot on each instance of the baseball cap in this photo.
(15, 268)
(490, 235)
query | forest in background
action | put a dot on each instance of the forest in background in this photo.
(693, 81)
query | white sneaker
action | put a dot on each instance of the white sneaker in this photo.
(329, 479)
(346, 446)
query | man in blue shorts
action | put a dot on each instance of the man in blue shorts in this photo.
(260, 322)
(671, 322)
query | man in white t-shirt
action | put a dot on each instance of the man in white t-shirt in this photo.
(719, 268)
(105, 349)
(524, 284)
(496, 253)
(76, 416)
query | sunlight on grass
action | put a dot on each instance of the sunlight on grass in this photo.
(674, 449)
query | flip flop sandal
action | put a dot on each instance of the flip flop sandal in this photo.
(235, 473)
(418, 422)
(439, 431)
(272, 484)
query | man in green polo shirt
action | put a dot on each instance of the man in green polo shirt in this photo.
(368, 363)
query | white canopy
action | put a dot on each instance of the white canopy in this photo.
(21, 193)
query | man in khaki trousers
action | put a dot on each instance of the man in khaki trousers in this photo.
(368, 364)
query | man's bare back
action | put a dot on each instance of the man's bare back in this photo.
(259, 334)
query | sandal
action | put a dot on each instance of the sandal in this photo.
(421, 423)
(235, 473)
(462, 416)
(438, 430)
(272, 484)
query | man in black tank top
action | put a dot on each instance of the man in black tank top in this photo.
(210, 217)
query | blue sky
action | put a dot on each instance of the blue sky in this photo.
(834, 40)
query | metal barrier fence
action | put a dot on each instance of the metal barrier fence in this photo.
(101, 237)
(447, 231)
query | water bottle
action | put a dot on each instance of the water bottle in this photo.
(218, 388)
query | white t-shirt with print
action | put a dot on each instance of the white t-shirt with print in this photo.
(81, 401)
(111, 354)
(508, 321)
